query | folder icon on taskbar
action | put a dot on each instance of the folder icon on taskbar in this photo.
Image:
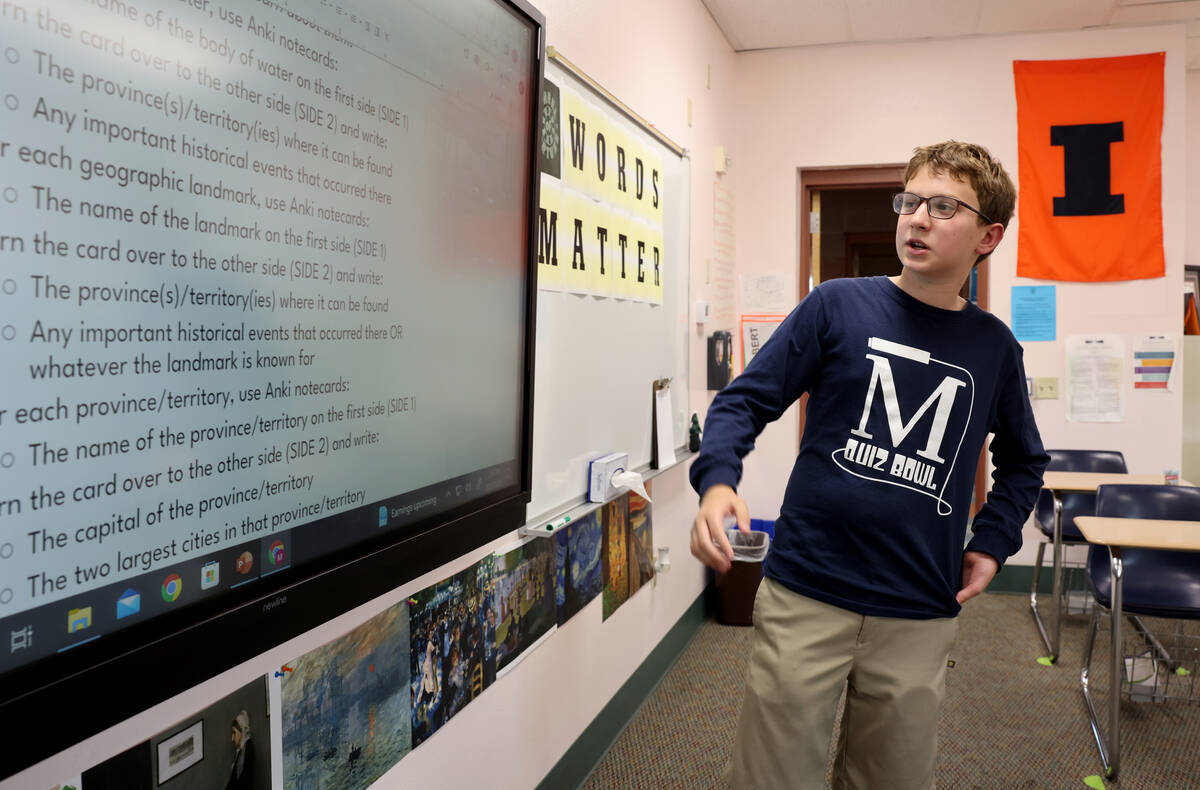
(129, 603)
(79, 619)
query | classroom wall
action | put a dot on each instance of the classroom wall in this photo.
(1190, 468)
(653, 57)
(1192, 154)
(872, 104)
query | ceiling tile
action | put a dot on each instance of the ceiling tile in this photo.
(887, 20)
(1022, 16)
(1156, 12)
(765, 24)
(762, 24)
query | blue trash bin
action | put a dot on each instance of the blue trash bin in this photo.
(764, 525)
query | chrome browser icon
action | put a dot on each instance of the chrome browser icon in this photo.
(172, 586)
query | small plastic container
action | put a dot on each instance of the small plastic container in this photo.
(737, 587)
(748, 546)
(764, 525)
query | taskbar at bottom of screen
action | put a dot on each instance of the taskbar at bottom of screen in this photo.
(82, 618)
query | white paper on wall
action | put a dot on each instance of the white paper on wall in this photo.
(1095, 366)
(721, 277)
(766, 293)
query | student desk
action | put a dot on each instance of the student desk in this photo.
(1059, 483)
(1117, 534)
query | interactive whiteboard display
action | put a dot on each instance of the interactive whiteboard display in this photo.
(261, 265)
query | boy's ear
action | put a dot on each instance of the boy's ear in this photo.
(990, 239)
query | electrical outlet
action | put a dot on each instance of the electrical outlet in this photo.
(1045, 387)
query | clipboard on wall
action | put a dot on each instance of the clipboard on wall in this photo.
(662, 441)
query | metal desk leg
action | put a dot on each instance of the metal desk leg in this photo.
(1117, 572)
(1033, 595)
(1051, 644)
(1110, 748)
(1056, 598)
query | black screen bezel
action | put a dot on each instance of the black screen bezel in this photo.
(56, 702)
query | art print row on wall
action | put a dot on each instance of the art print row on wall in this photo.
(352, 708)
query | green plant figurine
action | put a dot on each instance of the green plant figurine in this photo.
(694, 435)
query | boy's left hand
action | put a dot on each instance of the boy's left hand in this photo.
(978, 571)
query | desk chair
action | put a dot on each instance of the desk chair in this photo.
(1151, 582)
(1072, 505)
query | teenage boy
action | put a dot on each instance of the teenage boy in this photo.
(868, 571)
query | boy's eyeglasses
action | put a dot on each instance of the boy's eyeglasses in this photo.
(940, 206)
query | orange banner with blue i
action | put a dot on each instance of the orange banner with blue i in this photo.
(1089, 139)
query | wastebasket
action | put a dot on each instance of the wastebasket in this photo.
(737, 586)
(764, 525)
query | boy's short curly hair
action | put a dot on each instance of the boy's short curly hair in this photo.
(975, 165)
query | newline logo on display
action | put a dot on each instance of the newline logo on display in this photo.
(269, 605)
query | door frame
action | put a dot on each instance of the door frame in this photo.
(810, 179)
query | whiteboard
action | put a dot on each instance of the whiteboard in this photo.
(597, 357)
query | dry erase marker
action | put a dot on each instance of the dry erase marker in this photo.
(562, 522)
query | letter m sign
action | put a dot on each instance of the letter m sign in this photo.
(883, 383)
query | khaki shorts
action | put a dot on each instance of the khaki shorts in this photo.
(804, 653)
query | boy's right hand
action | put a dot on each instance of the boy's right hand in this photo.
(709, 543)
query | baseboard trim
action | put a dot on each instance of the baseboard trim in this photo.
(1019, 579)
(594, 742)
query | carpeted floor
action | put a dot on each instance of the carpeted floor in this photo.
(1008, 722)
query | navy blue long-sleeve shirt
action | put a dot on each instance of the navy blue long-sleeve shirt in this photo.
(902, 396)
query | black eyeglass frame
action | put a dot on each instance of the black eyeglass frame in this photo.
(897, 203)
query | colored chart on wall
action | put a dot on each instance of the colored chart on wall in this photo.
(1154, 362)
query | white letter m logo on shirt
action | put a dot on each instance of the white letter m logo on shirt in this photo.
(882, 380)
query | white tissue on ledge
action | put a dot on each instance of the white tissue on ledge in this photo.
(631, 480)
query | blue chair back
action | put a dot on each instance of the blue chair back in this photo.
(1157, 583)
(1075, 504)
